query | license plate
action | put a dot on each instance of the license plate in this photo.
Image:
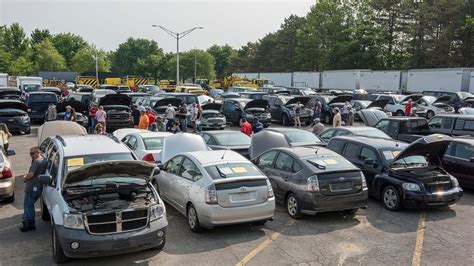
(341, 186)
(242, 197)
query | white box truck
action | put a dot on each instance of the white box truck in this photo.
(380, 81)
(307, 79)
(441, 79)
(246, 75)
(3, 80)
(342, 79)
(29, 84)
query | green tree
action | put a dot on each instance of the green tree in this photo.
(204, 65)
(5, 60)
(47, 58)
(15, 40)
(38, 36)
(68, 44)
(132, 56)
(84, 60)
(222, 56)
(22, 67)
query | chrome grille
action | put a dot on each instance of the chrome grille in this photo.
(116, 222)
(117, 116)
(214, 121)
(438, 186)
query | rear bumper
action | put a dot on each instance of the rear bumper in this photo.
(36, 115)
(214, 215)
(312, 203)
(7, 187)
(119, 124)
(414, 200)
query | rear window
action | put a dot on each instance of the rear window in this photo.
(32, 98)
(336, 145)
(372, 133)
(153, 143)
(233, 139)
(80, 160)
(330, 162)
(231, 170)
(301, 136)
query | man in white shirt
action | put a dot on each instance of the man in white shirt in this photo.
(169, 116)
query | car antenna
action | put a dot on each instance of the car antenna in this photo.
(223, 154)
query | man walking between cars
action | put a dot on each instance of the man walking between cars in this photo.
(92, 121)
(144, 120)
(182, 117)
(246, 128)
(408, 107)
(317, 109)
(100, 116)
(52, 112)
(33, 189)
(337, 120)
(169, 115)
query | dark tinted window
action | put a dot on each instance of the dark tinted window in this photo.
(448, 122)
(266, 160)
(469, 125)
(459, 124)
(189, 170)
(336, 145)
(366, 153)
(464, 151)
(351, 151)
(42, 98)
(382, 125)
(284, 162)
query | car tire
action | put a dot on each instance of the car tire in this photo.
(45, 216)
(399, 113)
(391, 198)
(429, 114)
(160, 246)
(9, 199)
(193, 220)
(285, 120)
(58, 252)
(293, 206)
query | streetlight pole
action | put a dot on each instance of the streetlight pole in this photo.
(96, 57)
(195, 65)
(177, 36)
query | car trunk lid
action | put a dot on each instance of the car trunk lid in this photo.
(242, 191)
(371, 117)
(335, 183)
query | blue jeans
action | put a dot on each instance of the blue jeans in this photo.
(29, 206)
(184, 124)
(92, 124)
(169, 124)
(317, 115)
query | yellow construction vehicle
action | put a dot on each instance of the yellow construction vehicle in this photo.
(167, 85)
(87, 80)
(113, 81)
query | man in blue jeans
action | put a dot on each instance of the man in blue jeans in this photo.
(33, 189)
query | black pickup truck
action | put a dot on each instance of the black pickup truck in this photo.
(403, 128)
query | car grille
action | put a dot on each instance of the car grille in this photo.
(116, 222)
(261, 116)
(214, 121)
(438, 186)
(117, 116)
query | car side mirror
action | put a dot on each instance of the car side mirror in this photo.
(45, 180)
(157, 171)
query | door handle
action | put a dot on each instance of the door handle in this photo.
(285, 178)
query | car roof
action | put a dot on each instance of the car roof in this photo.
(303, 152)
(220, 132)
(92, 144)
(216, 157)
(467, 140)
(378, 143)
(403, 118)
(455, 115)
(354, 129)
(282, 129)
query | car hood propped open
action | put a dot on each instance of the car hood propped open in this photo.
(211, 106)
(303, 100)
(341, 99)
(164, 102)
(380, 103)
(371, 117)
(258, 103)
(115, 99)
(77, 105)
(181, 142)
(13, 105)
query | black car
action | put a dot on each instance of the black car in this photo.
(459, 161)
(282, 109)
(38, 102)
(187, 98)
(254, 95)
(118, 110)
(234, 109)
(309, 181)
(78, 107)
(136, 95)
(160, 106)
(54, 90)
(83, 97)
(452, 124)
(328, 103)
(402, 175)
(10, 93)
(14, 114)
(227, 140)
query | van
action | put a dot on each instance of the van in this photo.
(38, 103)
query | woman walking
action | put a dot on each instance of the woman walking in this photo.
(4, 135)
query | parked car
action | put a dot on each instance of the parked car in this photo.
(14, 114)
(240, 89)
(187, 98)
(78, 107)
(300, 91)
(456, 99)
(121, 133)
(459, 161)
(83, 97)
(147, 146)
(308, 181)
(124, 89)
(401, 175)
(119, 114)
(429, 106)
(227, 140)
(282, 137)
(398, 108)
(160, 106)
(328, 103)
(282, 109)
(54, 90)
(234, 109)
(254, 95)
(99, 93)
(150, 89)
(180, 143)
(10, 93)
(211, 118)
(38, 102)
(99, 199)
(57, 128)
(109, 87)
(330, 133)
(135, 95)
(451, 124)
(84, 88)
(466, 111)
(359, 105)
(272, 90)
(213, 188)
(7, 178)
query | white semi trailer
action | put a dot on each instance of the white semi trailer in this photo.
(442, 79)
(307, 79)
(278, 78)
(380, 81)
(342, 79)
(3, 79)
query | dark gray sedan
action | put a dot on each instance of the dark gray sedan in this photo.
(308, 180)
(227, 140)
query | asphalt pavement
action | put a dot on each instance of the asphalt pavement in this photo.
(374, 236)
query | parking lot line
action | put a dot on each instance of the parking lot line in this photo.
(263, 245)
(420, 234)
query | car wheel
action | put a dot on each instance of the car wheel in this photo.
(160, 246)
(9, 199)
(193, 220)
(327, 119)
(285, 120)
(44, 212)
(399, 113)
(58, 252)
(391, 198)
(293, 206)
(429, 114)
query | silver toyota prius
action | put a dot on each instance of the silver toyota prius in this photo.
(213, 188)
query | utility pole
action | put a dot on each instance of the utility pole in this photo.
(177, 36)
(96, 58)
(195, 65)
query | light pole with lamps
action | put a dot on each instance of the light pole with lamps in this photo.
(177, 36)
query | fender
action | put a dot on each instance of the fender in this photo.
(57, 215)
(381, 180)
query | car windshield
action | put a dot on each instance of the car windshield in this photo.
(329, 162)
(364, 104)
(31, 87)
(11, 111)
(464, 95)
(80, 160)
(372, 133)
(155, 143)
(231, 170)
(389, 154)
(301, 136)
(411, 161)
(234, 138)
(42, 98)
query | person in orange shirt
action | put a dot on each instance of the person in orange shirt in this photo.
(143, 124)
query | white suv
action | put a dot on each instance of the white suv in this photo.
(99, 198)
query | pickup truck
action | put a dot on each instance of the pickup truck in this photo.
(403, 128)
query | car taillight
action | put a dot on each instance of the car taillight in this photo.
(210, 195)
(269, 190)
(6, 173)
(364, 181)
(312, 184)
(148, 158)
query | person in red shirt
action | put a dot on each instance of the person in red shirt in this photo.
(246, 127)
(151, 116)
(92, 122)
(408, 107)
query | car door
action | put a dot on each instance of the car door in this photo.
(457, 161)
(188, 174)
(435, 124)
(265, 163)
(167, 179)
(283, 174)
(370, 164)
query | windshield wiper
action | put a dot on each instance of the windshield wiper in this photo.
(321, 167)
(220, 172)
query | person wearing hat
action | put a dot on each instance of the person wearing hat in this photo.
(318, 127)
(337, 120)
(160, 126)
(144, 121)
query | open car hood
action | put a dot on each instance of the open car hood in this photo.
(341, 99)
(181, 142)
(413, 97)
(303, 100)
(265, 140)
(371, 117)
(12, 91)
(284, 92)
(433, 147)
(77, 105)
(59, 127)
(258, 103)
(211, 106)
(443, 99)
(164, 102)
(110, 170)
(378, 104)
(115, 99)
(13, 105)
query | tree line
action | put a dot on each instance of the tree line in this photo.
(335, 34)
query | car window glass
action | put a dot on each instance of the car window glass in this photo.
(206, 138)
(351, 151)
(44, 145)
(132, 143)
(271, 101)
(336, 145)
(284, 162)
(296, 167)
(327, 135)
(459, 124)
(53, 171)
(392, 127)
(341, 133)
(367, 154)
(382, 125)
(50, 157)
(451, 149)
(189, 170)
(435, 122)
(448, 122)
(228, 106)
(173, 165)
(464, 151)
(266, 160)
(469, 125)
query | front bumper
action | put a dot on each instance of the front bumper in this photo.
(214, 215)
(312, 203)
(112, 244)
(19, 126)
(7, 187)
(412, 199)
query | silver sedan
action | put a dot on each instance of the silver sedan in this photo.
(7, 179)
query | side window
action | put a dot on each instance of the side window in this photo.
(435, 122)
(271, 101)
(173, 165)
(459, 124)
(132, 143)
(341, 133)
(327, 135)
(206, 138)
(53, 171)
(464, 151)
(229, 106)
(45, 145)
(382, 125)
(284, 162)
(266, 160)
(448, 122)
(451, 149)
(336, 145)
(125, 139)
(296, 167)
(189, 170)
(393, 128)
(366, 153)
(279, 102)
(351, 152)
(469, 125)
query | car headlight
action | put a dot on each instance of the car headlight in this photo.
(156, 212)
(73, 221)
(455, 182)
(268, 115)
(411, 187)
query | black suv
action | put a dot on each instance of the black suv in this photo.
(234, 109)
(402, 175)
(38, 103)
(282, 109)
(118, 111)
(83, 97)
